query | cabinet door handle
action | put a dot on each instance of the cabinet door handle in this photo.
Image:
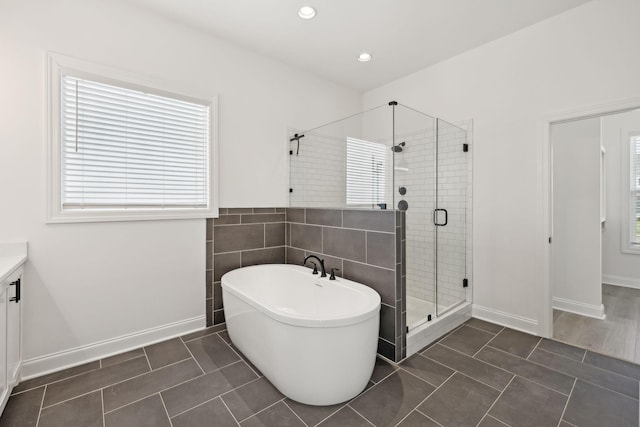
(16, 299)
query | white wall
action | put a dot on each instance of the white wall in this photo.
(576, 259)
(618, 268)
(89, 283)
(585, 56)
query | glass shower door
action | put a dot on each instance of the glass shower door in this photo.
(449, 216)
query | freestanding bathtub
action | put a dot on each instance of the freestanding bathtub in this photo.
(315, 339)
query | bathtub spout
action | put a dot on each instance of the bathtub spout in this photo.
(321, 261)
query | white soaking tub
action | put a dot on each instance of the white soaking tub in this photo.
(315, 339)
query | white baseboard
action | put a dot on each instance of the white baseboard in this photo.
(583, 309)
(530, 326)
(53, 362)
(627, 282)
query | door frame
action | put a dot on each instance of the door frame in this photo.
(545, 226)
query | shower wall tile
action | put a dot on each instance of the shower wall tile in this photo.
(240, 237)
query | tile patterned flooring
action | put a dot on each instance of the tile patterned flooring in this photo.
(481, 374)
(618, 335)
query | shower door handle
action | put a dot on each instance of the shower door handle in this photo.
(435, 217)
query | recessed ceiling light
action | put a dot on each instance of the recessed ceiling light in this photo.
(364, 57)
(306, 12)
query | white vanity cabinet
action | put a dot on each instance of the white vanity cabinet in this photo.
(11, 286)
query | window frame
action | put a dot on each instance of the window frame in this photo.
(57, 66)
(628, 202)
(384, 174)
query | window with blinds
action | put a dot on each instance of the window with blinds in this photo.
(635, 189)
(367, 167)
(123, 148)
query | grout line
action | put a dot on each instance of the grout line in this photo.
(567, 402)
(241, 358)
(294, 412)
(194, 358)
(165, 410)
(334, 412)
(56, 381)
(533, 349)
(428, 417)
(584, 356)
(363, 417)
(229, 410)
(429, 395)
(41, 404)
(498, 398)
(493, 418)
(264, 409)
(104, 422)
(144, 350)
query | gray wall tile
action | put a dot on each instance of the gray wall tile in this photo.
(223, 263)
(264, 210)
(263, 256)
(381, 248)
(294, 256)
(382, 280)
(240, 210)
(343, 243)
(227, 219)
(217, 296)
(209, 228)
(386, 349)
(262, 218)
(331, 217)
(295, 215)
(387, 323)
(274, 234)
(306, 237)
(382, 220)
(230, 238)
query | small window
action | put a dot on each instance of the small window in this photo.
(127, 151)
(367, 168)
(634, 194)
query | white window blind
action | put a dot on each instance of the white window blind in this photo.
(367, 164)
(129, 149)
(635, 189)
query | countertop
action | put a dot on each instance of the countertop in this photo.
(12, 256)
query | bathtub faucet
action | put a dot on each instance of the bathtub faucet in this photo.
(321, 261)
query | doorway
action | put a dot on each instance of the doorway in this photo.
(595, 229)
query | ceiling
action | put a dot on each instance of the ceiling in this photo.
(403, 36)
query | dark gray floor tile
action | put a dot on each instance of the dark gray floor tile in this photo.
(618, 366)
(166, 352)
(246, 360)
(590, 405)
(485, 326)
(345, 417)
(85, 411)
(563, 423)
(515, 342)
(416, 419)
(525, 403)
(382, 369)
(22, 409)
(588, 373)
(94, 380)
(204, 332)
(532, 371)
(476, 369)
(562, 349)
(392, 399)
(251, 398)
(56, 376)
(145, 413)
(278, 415)
(206, 414)
(212, 352)
(122, 357)
(225, 336)
(310, 414)
(432, 372)
(199, 390)
(467, 340)
(489, 421)
(461, 401)
(150, 383)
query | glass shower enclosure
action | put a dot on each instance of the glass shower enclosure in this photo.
(395, 157)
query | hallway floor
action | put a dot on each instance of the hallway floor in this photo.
(618, 335)
(480, 374)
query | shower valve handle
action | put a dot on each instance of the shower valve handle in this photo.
(333, 273)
